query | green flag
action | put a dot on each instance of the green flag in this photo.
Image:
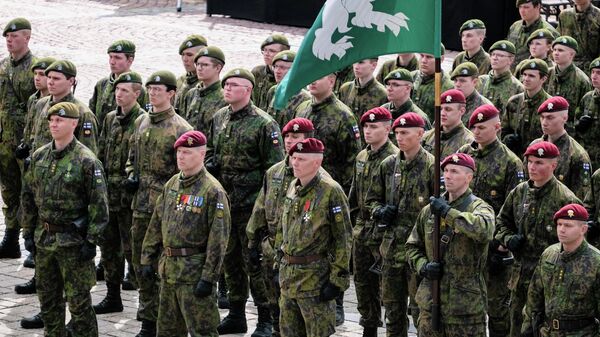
(347, 31)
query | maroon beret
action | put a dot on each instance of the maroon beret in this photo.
(461, 159)
(482, 114)
(554, 104)
(298, 125)
(572, 212)
(452, 96)
(191, 138)
(378, 114)
(309, 145)
(542, 150)
(409, 120)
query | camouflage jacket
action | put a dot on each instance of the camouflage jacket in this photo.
(113, 151)
(481, 59)
(408, 106)
(585, 28)
(571, 83)
(592, 198)
(463, 294)
(521, 117)
(191, 212)
(423, 93)
(407, 184)
(264, 79)
(589, 139)
(474, 101)
(450, 141)
(342, 76)
(282, 117)
(16, 85)
(200, 105)
(30, 116)
(61, 187)
(185, 83)
(499, 88)
(103, 98)
(391, 65)
(518, 33)
(315, 221)
(338, 129)
(361, 99)
(243, 145)
(152, 157)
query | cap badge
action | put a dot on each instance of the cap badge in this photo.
(564, 40)
(43, 64)
(550, 106)
(503, 45)
(190, 141)
(398, 75)
(61, 112)
(465, 72)
(119, 48)
(299, 146)
(13, 27)
(541, 152)
(270, 39)
(296, 127)
(541, 34)
(470, 24)
(372, 117)
(532, 65)
(157, 79)
(402, 121)
(455, 158)
(480, 116)
(570, 213)
(237, 72)
(448, 98)
(284, 57)
(59, 67)
(189, 43)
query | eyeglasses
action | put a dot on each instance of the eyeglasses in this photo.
(499, 55)
(269, 51)
(396, 85)
(203, 65)
(277, 66)
(233, 85)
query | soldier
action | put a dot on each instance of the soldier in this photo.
(244, 143)
(467, 227)
(563, 294)
(315, 238)
(377, 124)
(263, 74)
(113, 151)
(202, 101)
(520, 124)
(524, 224)
(423, 93)
(472, 34)
(540, 46)
(592, 204)
(342, 76)
(16, 85)
(587, 115)
(582, 22)
(65, 195)
(187, 237)
(365, 92)
(150, 164)
(400, 190)
(499, 84)
(498, 171)
(188, 50)
(398, 85)
(520, 30)
(406, 61)
(466, 78)
(282, 62)
(454, 134)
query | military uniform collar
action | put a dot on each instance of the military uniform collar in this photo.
(243, 112)
(411, 162)
(501, 77)
(479, 53)
(191, 78)
(538, 96)
(475, 94)
(541, 191)
(402, 108)
(480, 153)
(459, 200)
(25, 57)
(189, 181)
(447, 135)
(362, 89)
(323, 103)
(125, 117)
(157, 117)
(207, 90)
(68, 98)
(534, 24)
(562, 74)
(303, 190)
(288, 165)
(375, 154)
(112, 78)
(60, 154)
(411, 64)
(560, 141)
(569, 256)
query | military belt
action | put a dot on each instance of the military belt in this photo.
(571, 324)
(181, 251)
(306, 259)
(58, 228)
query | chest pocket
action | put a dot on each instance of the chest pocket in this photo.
(272, 200)
(183, 215)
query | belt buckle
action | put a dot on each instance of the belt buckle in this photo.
(168, 251)
(445, 239)
(555, 324)
(47, 226)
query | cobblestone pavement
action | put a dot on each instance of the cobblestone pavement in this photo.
(81, 30)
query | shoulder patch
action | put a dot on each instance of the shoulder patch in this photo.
(275, 138)
(356, 131)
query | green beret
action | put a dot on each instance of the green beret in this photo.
(399, 74)
(595, 64)
(465, 69)
(210, 51)
(16, 25)
(238, 72)
(534, 2)
(471, 24)
(275, 38)
(286, 55)
(122, 46)
(64, 109)
(542, 33)
(163, 77)
(533, 64)
(566, 40)
(42, 63)
(504, 45)
(128, 77)
(193, 40)
(62, 66)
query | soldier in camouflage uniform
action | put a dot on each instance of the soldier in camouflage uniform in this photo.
(377, 124)
(520, 124)
(243, 144)
(499, 84)
(466, 79)
(592, 204)
(40, 82)
(16, 85)
(263, 74)
(587, 117)
(520, 30)
(467, 227)
(498, 171)
(400, 189)
(563, 296)
(315, 239)
(65, 194)
(282, 62)
(364, 92)
(188, 50)
(524, 224)
(202, 101)
(423, 93)
(187, 237)
(150, 164)
(454, 134)
(540, 46)
(582, 22)
(472, 34)
(406, 61)
(342, 76)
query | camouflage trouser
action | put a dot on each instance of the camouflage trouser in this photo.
(180, 312)
(394, 286)
(518, 299)
(148, 289)
(117, 245)
(10, 184)
(272, 289)
(498, 299)
(59, 270)
(449, 330)
(238, 268)
(368, 284)
(306, 317)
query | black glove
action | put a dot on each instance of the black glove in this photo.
(585, 123)
(87, 251)
(385, 215)
(593, 231)
(131, 184)
(148, 272)
(29, 244)
(212, 168)
(329, 291)
(432, 271)
(513, 142)
(276, 277)
(203, 289)
(516, 243)
(255, 256)
(439, 206)
(22, 150)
